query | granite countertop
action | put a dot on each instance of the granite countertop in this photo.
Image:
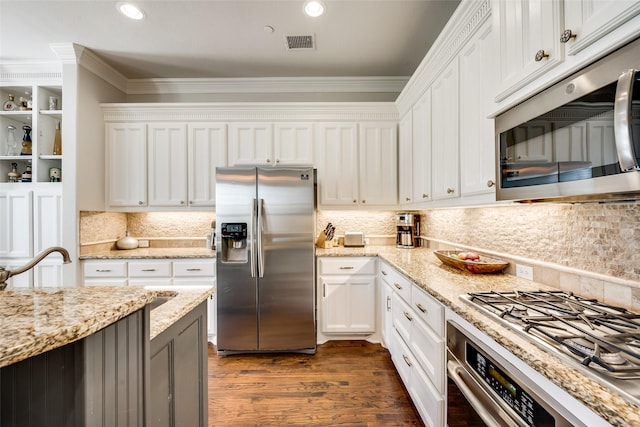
(447, 284)
(34, 321)
(151, 253)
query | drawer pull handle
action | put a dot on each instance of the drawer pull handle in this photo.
(408, 316)
(397, 285)
(406, 360)
(148, 269)
(384, 273)
(103, 270)
(346, 268)
(193, 269)
(421, 308)
(388, 303)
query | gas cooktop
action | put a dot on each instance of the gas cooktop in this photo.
(601, 340)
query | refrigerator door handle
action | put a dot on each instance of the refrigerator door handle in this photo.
(252, 226)
(259, 236)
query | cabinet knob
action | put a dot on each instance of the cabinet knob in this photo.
(355, 201)
(190, 202)
(540, 55)
(398, 286)
(141, 203)
(364, 201)
(566, 36)
(182, 202)
(407, 199)
(450, 190)
(490, 183)
(268, 160)
(425, 196)
(277, 160)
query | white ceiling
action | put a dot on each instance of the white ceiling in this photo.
(226, 38)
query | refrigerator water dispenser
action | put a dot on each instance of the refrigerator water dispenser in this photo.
(234, 242)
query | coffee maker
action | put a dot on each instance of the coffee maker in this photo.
(408, 230)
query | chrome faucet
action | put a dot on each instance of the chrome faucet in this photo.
(5, 274)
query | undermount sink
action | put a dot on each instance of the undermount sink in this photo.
(161, 299)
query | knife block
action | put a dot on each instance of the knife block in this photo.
(323, 243)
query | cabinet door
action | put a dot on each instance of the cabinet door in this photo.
(477, 139)
(48, 274)
(444, 161)
(385, 305)
(428, 401)
(421, 145)
(206, 150)
(337, 159)
(250, 144)
(526, 28)
(47, 219)
(16, 224)
(348, 304)
(590, 20)
(126, 164)
(378, 164)
(167, 148)
(293, 143)
(405, 159)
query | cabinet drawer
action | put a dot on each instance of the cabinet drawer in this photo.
(400, 284)
(428, 309)
(347, 265)
(194, 268)
(150, 269)
(105, 269)
(428, 401)
(402, 358)
(428, 349)
(402, 316)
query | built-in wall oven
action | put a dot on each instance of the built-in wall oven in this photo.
(489, 386)
(577, 140)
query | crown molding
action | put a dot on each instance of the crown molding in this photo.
(73, 53)
(31, 73)
(158, 86)
(466, 20)
(246, 111)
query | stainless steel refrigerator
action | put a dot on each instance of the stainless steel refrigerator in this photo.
(265, 260)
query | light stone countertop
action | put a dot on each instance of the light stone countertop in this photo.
(447, 284)
(34, 321)
(152, 253)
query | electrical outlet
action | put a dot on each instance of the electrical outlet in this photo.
(143, 243)
(524, 271)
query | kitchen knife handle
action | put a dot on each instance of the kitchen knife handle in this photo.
(260, 242)
(252, 238)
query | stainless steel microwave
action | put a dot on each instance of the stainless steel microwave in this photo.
(577, 140)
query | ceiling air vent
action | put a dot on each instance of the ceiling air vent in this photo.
(299, 42)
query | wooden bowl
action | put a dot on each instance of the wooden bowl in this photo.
(483, 265)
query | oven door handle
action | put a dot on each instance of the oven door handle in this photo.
(484, 405)
(622, 121)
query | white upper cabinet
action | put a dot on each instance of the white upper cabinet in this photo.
(206, 150)
(251, 144)
(421, 146)
(405, 159)
(529, 41)
(587, 21)
(378, 163)
(293, 143)
(167, 163)
(273, 144)
(337, 162)
(477, 134)
(126, 164)
(444, 143)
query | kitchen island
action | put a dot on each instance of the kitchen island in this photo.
(447, 284)
(81, 355)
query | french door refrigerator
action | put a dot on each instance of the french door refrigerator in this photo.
(265, 260)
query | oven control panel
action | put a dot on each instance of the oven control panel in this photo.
(508, 390)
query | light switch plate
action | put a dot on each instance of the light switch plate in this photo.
(524, 271)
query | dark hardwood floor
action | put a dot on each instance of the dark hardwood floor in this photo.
(346, 383)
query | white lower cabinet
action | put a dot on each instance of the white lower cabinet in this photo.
(347, 290)
(155, 272)
(417, 344)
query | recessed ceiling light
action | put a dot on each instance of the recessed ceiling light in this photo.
(314, 8)
(130, 11)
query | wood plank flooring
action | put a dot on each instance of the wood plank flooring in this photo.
(346, 383)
